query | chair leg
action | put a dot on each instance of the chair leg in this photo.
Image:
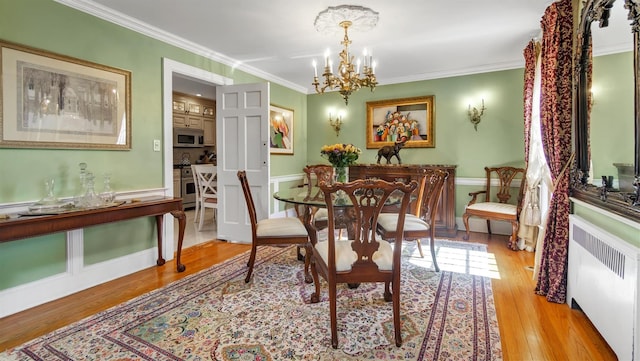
(252, 260)
(420, 247)
(397, 327)
(197, 209)
(513, 240)
(315, 297)
(202, 212)
(465, 219)
(387, 292)
(332, 312)
(433, 250)
(488, 226)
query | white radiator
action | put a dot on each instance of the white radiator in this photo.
(603, 281)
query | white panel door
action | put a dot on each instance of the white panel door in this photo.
(242, 127)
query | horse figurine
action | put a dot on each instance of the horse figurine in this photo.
(389, 151)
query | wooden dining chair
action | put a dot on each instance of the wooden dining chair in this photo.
(273, 231)
(314, 174)
(205, 179)
(421, 223)
(363, 258)
(498, 208)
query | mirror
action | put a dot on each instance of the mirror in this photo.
(606, 110)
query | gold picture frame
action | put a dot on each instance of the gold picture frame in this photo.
(392, 120)
(50, 100)
(281, 123)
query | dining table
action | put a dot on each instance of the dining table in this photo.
(313, 197)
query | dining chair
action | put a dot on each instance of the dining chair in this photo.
(273, 231)
(363, 258)
(314, 174)
(498, 208)
(204, 176)
(420, 223)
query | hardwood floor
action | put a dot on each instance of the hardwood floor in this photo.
(530, 327)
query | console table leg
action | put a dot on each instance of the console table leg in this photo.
(182, 221)
(160, 260)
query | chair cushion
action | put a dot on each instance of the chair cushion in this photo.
(275, 227)
(321, 215)
(346, 256)
(494, 207)
(388, 222)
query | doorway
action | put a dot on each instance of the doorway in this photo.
(171, 68)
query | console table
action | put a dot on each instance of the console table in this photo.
(445, 220)
(30, 226)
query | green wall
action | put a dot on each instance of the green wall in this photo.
(498, 141)
(47, 25)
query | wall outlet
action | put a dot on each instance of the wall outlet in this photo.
(156, 145)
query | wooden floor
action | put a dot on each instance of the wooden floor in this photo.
(530, 327)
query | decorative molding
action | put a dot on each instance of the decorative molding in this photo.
(130, 23)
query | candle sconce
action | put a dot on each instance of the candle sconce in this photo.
(475, 115)
(336, 123)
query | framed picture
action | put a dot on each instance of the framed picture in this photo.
(281, 130)
(54, 101)
(393, 120)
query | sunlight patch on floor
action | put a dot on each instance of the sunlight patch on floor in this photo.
(451, 259)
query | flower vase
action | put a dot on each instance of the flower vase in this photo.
(341, 174)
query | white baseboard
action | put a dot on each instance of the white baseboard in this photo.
(35, 293)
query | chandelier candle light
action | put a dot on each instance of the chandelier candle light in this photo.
(348, 78)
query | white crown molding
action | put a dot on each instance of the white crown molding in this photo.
(130, 23)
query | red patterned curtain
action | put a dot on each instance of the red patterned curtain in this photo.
(555, 117)
(529, 77)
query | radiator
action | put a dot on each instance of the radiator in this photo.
(602, 281)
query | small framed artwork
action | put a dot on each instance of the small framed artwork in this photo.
(394, 120)
(55, 101)
(281, 130)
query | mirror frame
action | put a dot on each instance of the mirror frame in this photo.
(623, 204)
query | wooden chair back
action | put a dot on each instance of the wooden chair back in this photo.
(505, 176)
(429, 193)
(497, 208)
(362, 258)
(251, 207)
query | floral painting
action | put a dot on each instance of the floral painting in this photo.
(396, 120)
(281, 130)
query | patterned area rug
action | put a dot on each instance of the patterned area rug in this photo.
(214, 315)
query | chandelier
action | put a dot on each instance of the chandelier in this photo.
(349, 77)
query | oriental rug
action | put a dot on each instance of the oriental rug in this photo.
(214, 315)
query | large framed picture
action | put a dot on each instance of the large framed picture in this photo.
(55, 101)
(394, 120)
(281, 130)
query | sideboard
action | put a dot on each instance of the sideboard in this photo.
(445, 222)
(16, 228)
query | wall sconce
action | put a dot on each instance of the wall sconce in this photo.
(475, 115)
(336, 124)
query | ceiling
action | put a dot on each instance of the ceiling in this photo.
(276, 39)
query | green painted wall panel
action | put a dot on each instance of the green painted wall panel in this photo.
(113, 240)
(611, 225)
(31, 259)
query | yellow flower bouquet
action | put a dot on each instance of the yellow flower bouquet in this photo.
(341, 156)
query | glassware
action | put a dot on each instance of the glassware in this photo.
(341, 174)
(83, 185)
(107, 195)
(90, 199)
(49, 203)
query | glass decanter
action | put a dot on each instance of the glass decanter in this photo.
(107, 195)
(90, 199)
